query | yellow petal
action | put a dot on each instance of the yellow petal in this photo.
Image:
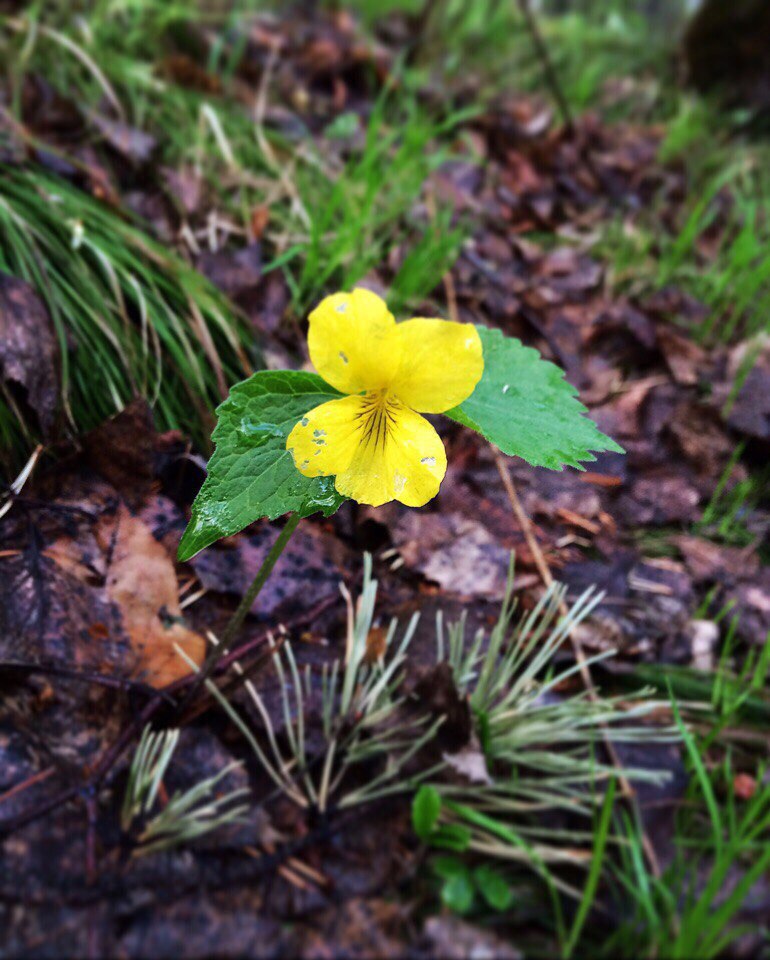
(352, 341)
(325, 440)
(441, 363)
(400, 457)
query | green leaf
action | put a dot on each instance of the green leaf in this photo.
(458, 892)
(525, 407)
(426, 808)
(451, 836)
(446, 866)
(343, 126)
(601, 835)
(493, 887)
(251, 473)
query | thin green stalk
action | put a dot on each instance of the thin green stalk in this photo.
(594, 874)
(249, 597)
(257, 583)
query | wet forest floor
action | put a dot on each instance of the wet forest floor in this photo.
(175, 195)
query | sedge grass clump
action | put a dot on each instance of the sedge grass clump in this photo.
(131, 317)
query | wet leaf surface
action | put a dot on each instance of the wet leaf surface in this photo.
(28, 349)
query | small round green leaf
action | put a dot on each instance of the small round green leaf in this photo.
(458, 892)
(451, 836)
(426, 808)
(493, 887)
(447, 866)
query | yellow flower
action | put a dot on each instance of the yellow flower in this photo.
(374, 441)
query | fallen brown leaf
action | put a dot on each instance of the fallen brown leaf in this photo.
(141, 580)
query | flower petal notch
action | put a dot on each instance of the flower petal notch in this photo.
(374, 441)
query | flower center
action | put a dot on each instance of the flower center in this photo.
(378, 417)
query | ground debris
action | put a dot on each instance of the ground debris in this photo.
(29, 352)
(93, 602)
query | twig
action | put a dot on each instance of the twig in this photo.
(91, 872)
(18, 788)
(243, 872)
(549, 71)
(420, 30)
(585, 673)
(100, 679)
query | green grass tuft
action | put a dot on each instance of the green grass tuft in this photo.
(132, 318)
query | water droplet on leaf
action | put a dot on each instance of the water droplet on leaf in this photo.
(258, 432)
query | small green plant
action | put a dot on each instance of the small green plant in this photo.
(721, 851)
(541, 801)
(366, 210)
(463, 887)
(736, 285)
(362, 719)
(726, 514)
(735, 693)
(539, 748)
(717, 253)
(294, 442)
(186, 816)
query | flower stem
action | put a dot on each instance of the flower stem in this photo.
(258, 582)
(235, 622)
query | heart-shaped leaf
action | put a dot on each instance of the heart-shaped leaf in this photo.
(525, 407)
(251, 473)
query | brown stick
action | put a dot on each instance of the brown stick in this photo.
(18, 788)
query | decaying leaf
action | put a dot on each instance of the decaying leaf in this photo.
(135, 145)
(120, 449)
(456, 552)
(49, 617)
(141, 580)
(28, 348)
